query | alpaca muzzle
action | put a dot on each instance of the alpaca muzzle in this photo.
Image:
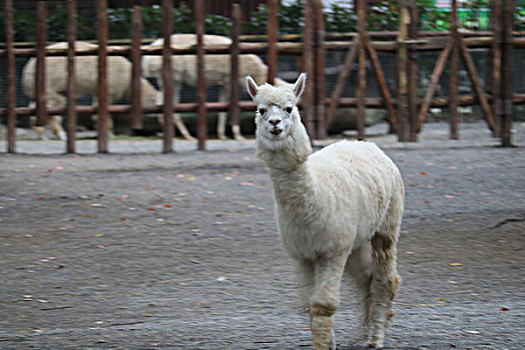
(276, 130)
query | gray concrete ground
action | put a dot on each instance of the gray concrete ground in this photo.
(180, 251)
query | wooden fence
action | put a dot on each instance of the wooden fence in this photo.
(406, 112)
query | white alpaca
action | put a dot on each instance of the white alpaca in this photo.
(339, 211)
(119, 81)
(216, 72)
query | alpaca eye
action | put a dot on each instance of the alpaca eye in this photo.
(289, 109)
(262, 111)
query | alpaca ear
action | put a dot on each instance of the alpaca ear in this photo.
(251, 86)
(298, 87)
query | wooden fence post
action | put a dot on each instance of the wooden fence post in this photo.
(102, 86)
(10, 76)
(136, 37)
(201, 82)
(495, 67)
(320, 78)
(507, 69)
(402, 74)
(361, 81)
(272, 29)
(167, 79)
(235, 94)
(453, 91)
(71, 112)
(40, 73)
(412, 73)
(308, 66)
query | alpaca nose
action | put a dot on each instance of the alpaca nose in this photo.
(274, 121)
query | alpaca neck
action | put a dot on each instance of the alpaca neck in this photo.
(288, 165)
(292, 186)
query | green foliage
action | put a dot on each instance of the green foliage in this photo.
(119, 24)
(519, 19)
(257, 22)
(382, 15)
(214, 24)
(24, 27)
(290, 18)
(340, 19)
(183, 21)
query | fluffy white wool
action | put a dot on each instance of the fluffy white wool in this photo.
(335, 200)
(334, 207)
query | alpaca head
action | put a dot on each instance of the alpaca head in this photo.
(279, 126)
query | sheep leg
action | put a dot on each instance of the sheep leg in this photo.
(325, 300)
(110, 123)
(358, 268)
(222, 117)
(40, 130)
(177, 120)
(55, 124)
(236, 129)
(55, 121)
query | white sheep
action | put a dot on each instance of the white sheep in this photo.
(216, 71)
(339, 211)
(86, 68)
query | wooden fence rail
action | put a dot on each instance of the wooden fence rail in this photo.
(318, 110)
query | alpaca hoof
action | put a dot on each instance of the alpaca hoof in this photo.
(375, 345)
(190, 138)
(222, 137)
(239, 138)
(333, 342)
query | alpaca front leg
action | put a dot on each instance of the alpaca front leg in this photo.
(325, 300)
(359, 269)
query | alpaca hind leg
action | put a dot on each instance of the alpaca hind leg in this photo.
(358, 269)
(325, 300)
(385, 281)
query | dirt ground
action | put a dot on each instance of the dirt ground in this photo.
(181, 251)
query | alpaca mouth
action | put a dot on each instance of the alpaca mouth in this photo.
(276, 131)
